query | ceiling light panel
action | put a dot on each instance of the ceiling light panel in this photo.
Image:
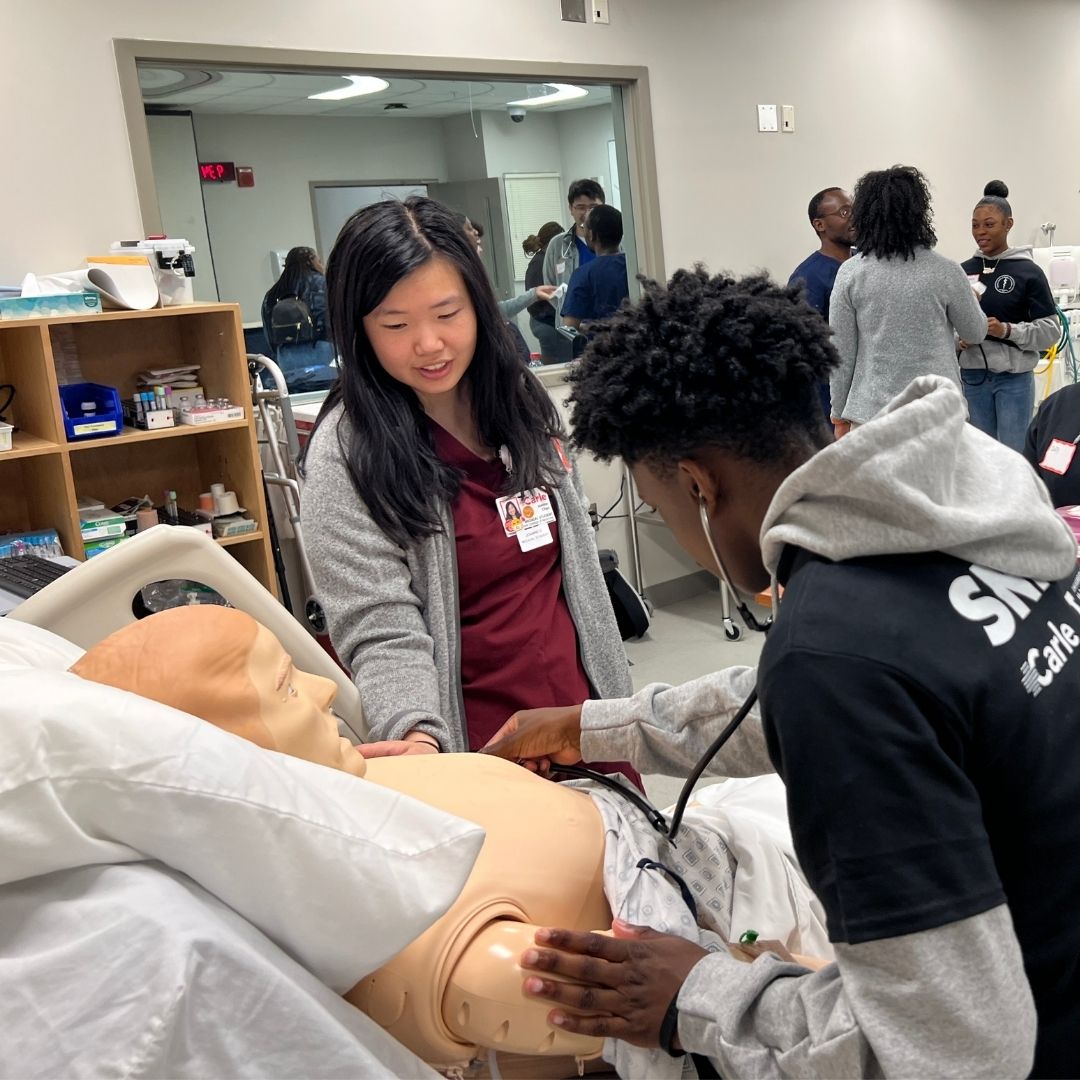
(552, 94)
(359, 85)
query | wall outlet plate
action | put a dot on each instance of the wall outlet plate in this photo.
(598, 11)
(787, 119)
(766, 118)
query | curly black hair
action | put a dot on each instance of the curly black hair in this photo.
(891, 213)
(704, 362)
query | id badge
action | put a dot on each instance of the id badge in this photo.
(560, 268)
(524, 511)
(1058, 457)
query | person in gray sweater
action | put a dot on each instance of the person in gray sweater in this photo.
(449, 612)
(927, 732)
(897, 305)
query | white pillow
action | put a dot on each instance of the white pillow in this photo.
(339, 872)
(25, 645)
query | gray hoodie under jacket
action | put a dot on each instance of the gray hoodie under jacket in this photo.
(950, 1001)
(393, 613)
(1028, 339)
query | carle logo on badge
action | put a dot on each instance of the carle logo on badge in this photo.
(1000, 603)
(1004, 283)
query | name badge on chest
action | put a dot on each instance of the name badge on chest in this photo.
(527, 516)
(1058, 457)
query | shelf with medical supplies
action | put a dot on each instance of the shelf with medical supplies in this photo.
(132, 356)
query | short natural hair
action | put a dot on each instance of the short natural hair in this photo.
(605, 223)
(814, 209)
(704, 362)
(590, 189)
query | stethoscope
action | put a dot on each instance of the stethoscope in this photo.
(665, 828)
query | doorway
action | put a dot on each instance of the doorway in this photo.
(450, 131)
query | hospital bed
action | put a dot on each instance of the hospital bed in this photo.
(175, 901)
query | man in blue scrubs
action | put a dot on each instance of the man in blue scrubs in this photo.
(830, 218)
(598, 287)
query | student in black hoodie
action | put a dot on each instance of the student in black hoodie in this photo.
(997, 373)
(920, 697)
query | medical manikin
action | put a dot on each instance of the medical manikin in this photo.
(458, 986)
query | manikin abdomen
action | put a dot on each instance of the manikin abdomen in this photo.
(458, 985)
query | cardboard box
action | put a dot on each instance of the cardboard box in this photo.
(211, 415)
(62, 305)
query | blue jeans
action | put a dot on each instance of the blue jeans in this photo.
(1001, 403)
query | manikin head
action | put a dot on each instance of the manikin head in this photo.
(221, 665)
(707, 388)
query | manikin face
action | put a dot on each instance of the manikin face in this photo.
(674, 496)
(834, 219)
(295, 707)
(424, 331)
(990, 229)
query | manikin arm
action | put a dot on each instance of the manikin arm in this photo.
(484, 1002)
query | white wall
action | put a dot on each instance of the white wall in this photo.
(172, 146)
(583, 142)
(897, 80)
(532, 146)
(286, 153)
(463, 143)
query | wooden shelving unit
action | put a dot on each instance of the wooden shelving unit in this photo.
(41, 476)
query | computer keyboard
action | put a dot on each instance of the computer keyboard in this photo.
(24, 575)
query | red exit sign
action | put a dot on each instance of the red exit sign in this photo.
(217, 172)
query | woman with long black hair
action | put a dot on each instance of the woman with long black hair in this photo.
(294, 321)
(896, 303)
(449, 621)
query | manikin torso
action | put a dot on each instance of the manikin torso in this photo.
(458, 986)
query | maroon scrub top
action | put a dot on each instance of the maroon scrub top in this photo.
(519, 646)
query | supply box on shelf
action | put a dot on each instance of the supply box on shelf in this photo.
(148, 415)
(50, 307)
(5, 436)
(172, 262)
(211, 415)
(91, 411)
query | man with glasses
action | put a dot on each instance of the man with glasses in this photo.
(569, 250)
(830, 218)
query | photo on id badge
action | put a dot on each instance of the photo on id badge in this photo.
(527, 516)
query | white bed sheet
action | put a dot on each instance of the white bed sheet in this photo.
(133, 970)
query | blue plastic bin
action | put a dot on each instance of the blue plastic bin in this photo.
(107, 420)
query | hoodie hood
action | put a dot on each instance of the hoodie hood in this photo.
(920, 478)
(1022, 252)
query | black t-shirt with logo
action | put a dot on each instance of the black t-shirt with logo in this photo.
(1016, 289)
(925, 716)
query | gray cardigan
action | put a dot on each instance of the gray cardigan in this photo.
(893, 320)
(393, 612)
